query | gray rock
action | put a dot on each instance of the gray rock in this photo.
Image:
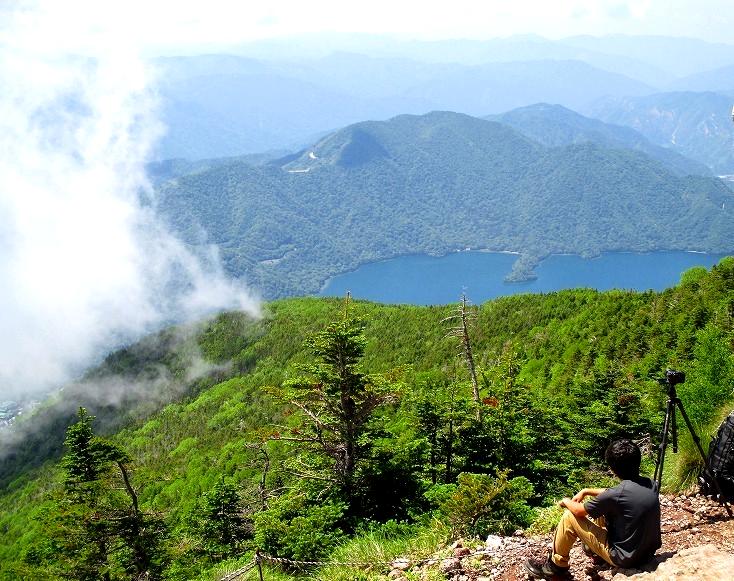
(448, 565)
(704, 563)
(401, 564)
(494, 542)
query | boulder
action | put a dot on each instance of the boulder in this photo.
(703, 563)
(494, 542)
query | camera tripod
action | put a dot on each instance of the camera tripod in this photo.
(670, 432)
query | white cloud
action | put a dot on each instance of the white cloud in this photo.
(190, 25)
(85, 262)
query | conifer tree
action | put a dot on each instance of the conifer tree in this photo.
(102, 531)
(337, 401)
(220, 520)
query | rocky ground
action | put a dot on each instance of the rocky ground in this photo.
(698, 544)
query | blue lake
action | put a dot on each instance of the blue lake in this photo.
(428, 280)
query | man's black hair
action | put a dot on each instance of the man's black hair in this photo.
(624, 457)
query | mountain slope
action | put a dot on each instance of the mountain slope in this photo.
(697, 125)
(555, 125)
(434, 184)
(580, 358)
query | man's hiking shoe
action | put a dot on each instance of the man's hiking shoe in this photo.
(545, 569)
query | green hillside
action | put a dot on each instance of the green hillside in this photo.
(434, 184)
(216, 460)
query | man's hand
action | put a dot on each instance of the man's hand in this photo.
(577, 508)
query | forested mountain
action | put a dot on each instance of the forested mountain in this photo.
(434, 184)
(219, 471)
(221, 105)
(167, 169)
(555, 125)
(697, 125)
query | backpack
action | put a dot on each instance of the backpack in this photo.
(720, 462)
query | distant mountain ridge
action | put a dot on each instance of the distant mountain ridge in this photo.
(555, 125)
(223, 105)
(437, 183)
(697, 125)
(653, 59)
(719, 80)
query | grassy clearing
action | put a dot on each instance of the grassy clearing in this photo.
(384, 545)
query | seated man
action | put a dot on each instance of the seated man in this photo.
(624, 524)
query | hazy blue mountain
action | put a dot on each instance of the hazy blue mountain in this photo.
(220, 105)
(434, 184)
(528, 48)
(367, 76)
(679, 56)
(497, 87)
(226, 114)
(698, 125)
(465, 52)
(718, 80)
(554, 125)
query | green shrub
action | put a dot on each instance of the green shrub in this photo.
(546, 520)
(293, 530)
(483, 504)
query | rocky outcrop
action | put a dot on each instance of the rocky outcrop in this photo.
(698, 545)
(703, 563)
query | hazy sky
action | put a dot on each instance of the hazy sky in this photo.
(167, 25)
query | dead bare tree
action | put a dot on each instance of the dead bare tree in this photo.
(461, 320)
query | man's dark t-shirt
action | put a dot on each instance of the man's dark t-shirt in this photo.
(632, 512)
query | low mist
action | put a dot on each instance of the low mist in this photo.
(86, 264)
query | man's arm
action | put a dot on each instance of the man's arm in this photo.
(576, 504)
(579, 496)
(577, 508)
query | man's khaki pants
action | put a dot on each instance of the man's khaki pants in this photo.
(593, 533)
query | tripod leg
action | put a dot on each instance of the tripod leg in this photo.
(658, 476)
(674, 432)
(697, 441)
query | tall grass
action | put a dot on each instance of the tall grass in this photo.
(379, 546)
(686, 465)
(384, 545)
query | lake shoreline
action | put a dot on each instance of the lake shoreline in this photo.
(439, 279)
